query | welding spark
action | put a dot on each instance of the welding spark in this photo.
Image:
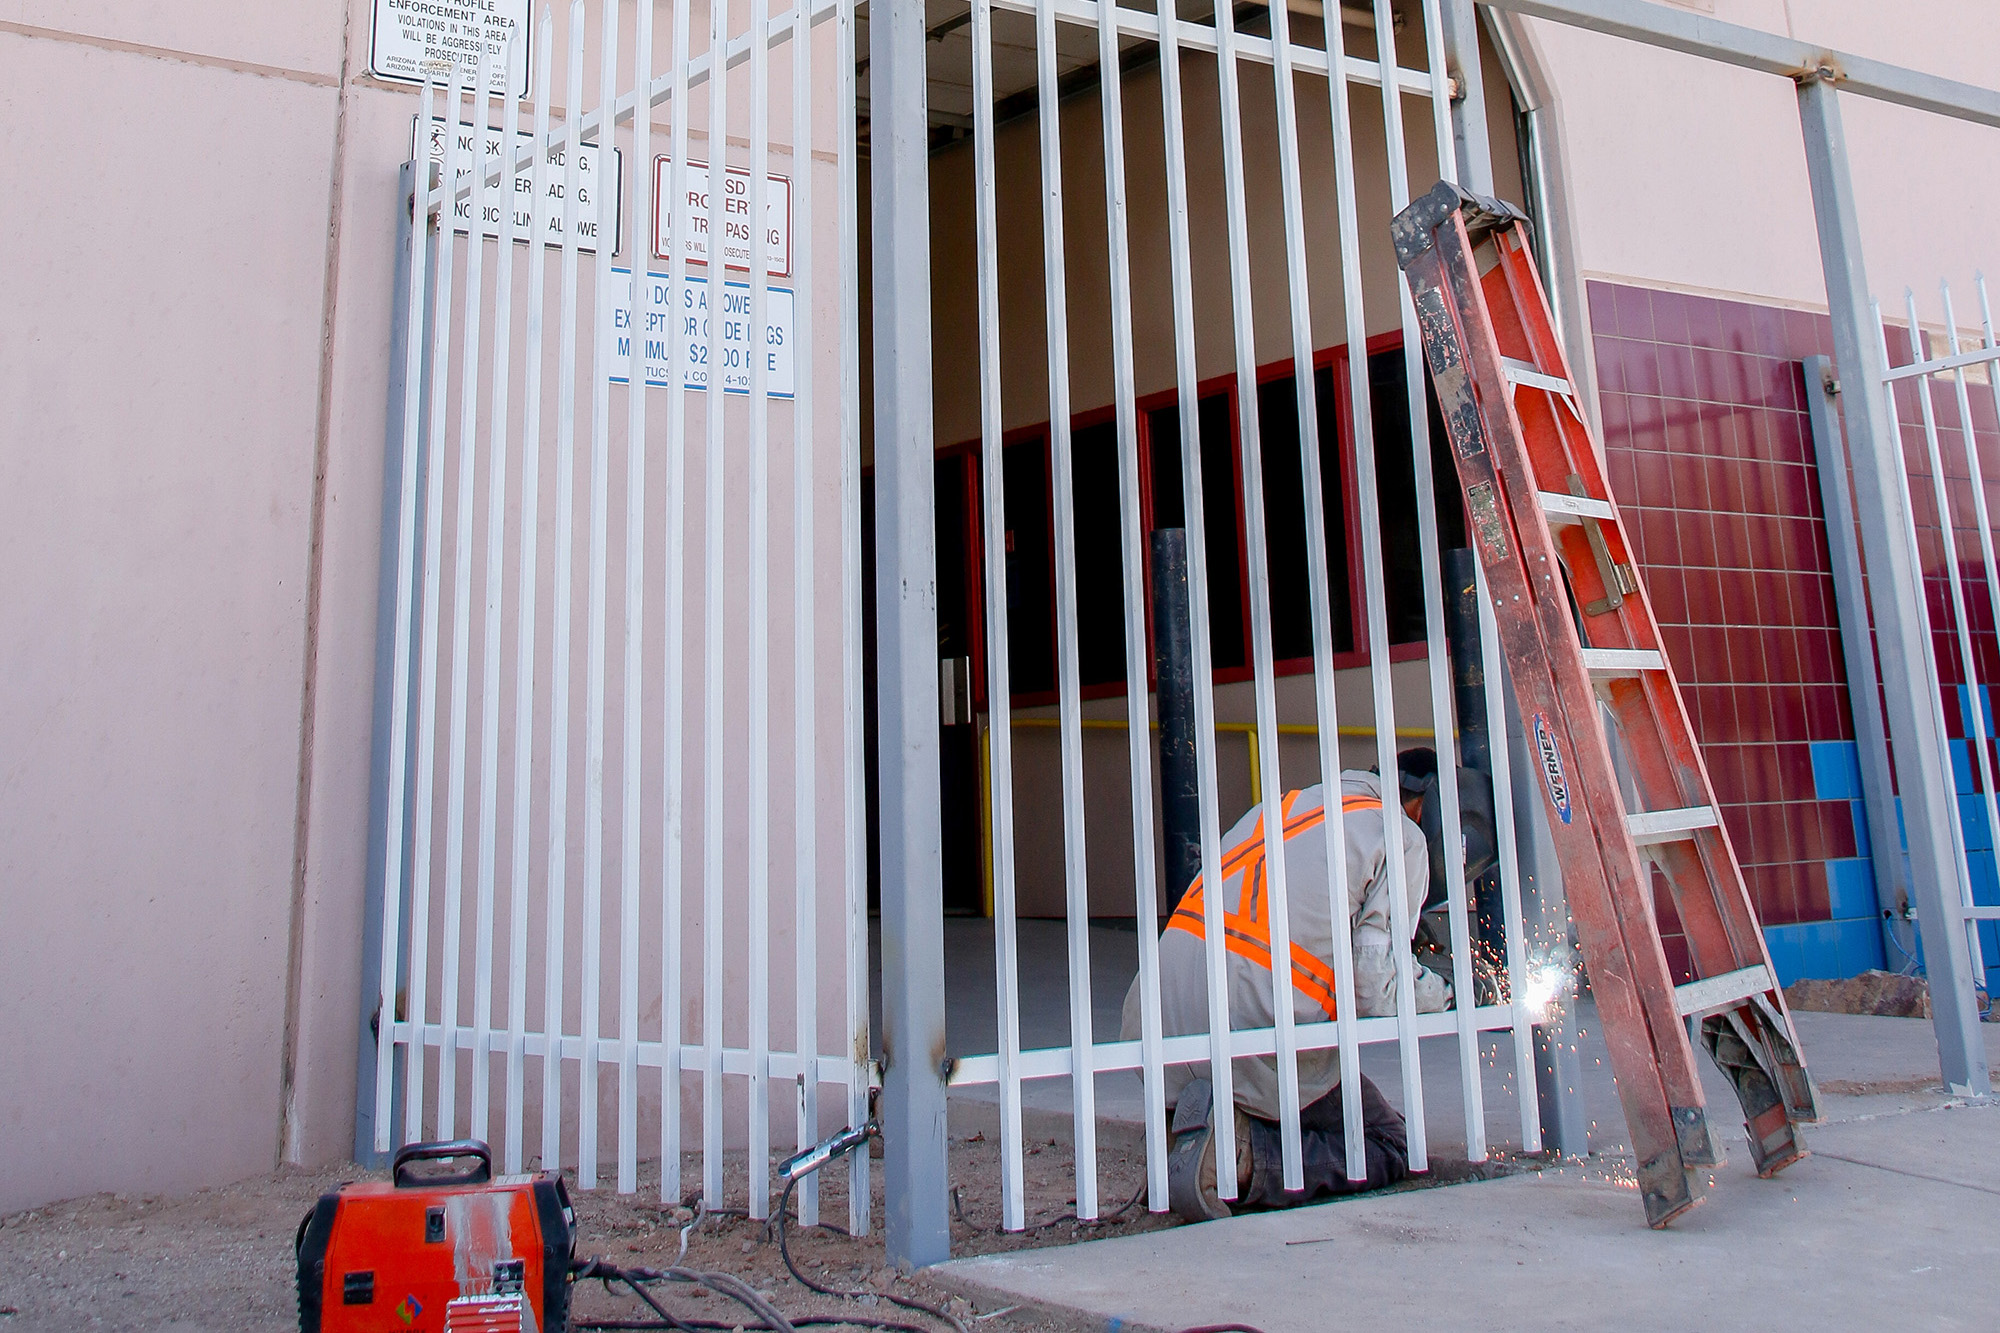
(1547, 982)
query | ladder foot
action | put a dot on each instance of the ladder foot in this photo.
(1668, 1190)
(1774, 1142)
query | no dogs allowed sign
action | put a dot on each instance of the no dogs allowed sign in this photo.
(410, 38)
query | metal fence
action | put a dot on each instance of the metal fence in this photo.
(581, 933)
(1951, 530)
(1121, 36)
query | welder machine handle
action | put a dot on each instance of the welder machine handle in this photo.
(478, 1173)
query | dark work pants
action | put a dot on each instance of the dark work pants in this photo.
(1323, 1144)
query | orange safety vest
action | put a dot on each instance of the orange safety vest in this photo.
(1246, 932)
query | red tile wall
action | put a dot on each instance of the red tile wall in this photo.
(1711, 459)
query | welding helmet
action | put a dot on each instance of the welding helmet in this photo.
(1417, 775)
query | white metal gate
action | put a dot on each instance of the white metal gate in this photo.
(1931, 393)
(1181, 46)
(548, 897)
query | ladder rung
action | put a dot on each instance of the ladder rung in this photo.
(1621, 661)
(1727, 989)
(1669, 825)
(1520, 372)
(1981, 913)
(1570, 508)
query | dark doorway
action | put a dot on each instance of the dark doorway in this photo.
(958, 739)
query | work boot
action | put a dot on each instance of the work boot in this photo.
(1191, 1191)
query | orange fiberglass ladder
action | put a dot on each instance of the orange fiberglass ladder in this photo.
(1580, 642)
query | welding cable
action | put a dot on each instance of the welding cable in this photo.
(604, 1271)
(727, 1284)
(907, 1302)
(1109, 1219)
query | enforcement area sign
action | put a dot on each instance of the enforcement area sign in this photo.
(740, 340)
(533, 217)
(409, 37)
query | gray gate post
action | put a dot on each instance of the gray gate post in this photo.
(1928, 804)
(1544, 911)
(394, 444)
(1857, 646)
(916, 1217)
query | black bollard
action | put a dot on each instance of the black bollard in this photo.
(1173, 659)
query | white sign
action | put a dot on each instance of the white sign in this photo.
(740, 341)
(737, 238)
(548, 210)
(410, 37)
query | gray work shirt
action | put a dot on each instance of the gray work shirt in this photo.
(1184, 953)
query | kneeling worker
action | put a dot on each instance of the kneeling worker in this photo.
(1367, 825)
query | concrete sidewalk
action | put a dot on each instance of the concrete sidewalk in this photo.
(1893, 1223)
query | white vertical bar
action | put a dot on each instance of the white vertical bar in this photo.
(999, 684)
(1961, 624)
(530, 577)
(420, 904)
(1181, 267)
(1145, 874)
(1378, 618)
(1270, 781)
(805, 609)
(1934, 680)
(1353, 308)
(713, 475)
(489, 672)
(603, 354)
(638, 324)
(461, 613)
(406, 575)
(1437, 652)
(1510, 879)
(1083, 1081)
(674, 810)
(853, 834)
(1325, 694)
(561, 614)
(760, 617)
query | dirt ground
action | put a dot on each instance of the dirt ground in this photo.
(221, 1260)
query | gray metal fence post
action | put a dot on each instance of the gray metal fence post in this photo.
(1471, 144)
(400, 334)
(1928, 803)
(1545, 913)
(1857, 646)
(917, 1221)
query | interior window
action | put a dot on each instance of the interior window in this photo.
(1396, 491)
(1221, 515)
(1285, 516)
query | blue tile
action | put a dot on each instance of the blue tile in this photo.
(1961, 766)
(1989, 941)
(1985, 881)
(1862, 844)
(1786, 955)
(1980, 723)
(1836, 770)
(1860, 947)
(1820, 944)
(1972, 818)
(1850, 888)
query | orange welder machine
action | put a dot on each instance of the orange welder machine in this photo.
(438, 1253)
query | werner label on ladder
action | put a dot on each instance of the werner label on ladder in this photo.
(1585, 654)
